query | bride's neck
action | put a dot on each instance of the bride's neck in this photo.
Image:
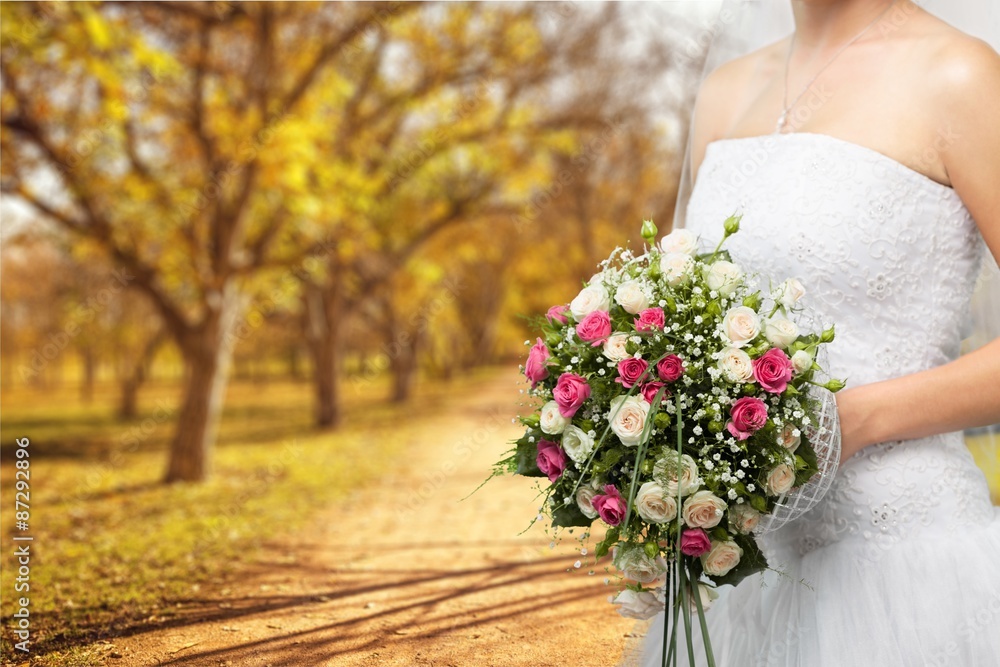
(821, 24)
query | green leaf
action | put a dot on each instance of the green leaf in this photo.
(604, 546)
(527, 453)
(569, 516)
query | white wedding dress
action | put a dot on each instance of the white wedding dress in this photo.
(899, 565)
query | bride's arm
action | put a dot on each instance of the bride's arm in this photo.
(966, 392)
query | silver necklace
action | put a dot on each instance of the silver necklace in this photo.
(785, 106)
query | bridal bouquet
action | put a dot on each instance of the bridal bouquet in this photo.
(681, 407)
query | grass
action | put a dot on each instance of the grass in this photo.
(113, 548)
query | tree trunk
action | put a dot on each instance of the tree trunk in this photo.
(207, 354)
(404, 366)
(322, 308)
(129, 399)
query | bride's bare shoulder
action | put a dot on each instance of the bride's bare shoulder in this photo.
(730, 88)
(951, 59)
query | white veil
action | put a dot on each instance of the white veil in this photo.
(743, 26)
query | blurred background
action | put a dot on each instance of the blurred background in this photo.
(262, 269)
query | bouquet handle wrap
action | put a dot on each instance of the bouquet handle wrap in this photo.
(825, 438)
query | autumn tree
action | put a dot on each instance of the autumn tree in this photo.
(171, 136)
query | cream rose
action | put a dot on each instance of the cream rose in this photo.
(641, 605)
(736, 365)
(676, 268)
(741, 325)
(551, 420)
(707, 594)
(630, 296)
(680, 241)
(780, 480)
(592, 297)
(577, 443)
(721, 558)
(703, 509)
(636, 565)
(723, 277)
(666, 473)
(787, 437)
(743, 518)
(654, 505)
(585, 501)
(614, 347)
(628, 418)
(781, 332)
(802, 361)
(789, 292)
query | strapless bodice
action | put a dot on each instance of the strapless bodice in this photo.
(885, 253)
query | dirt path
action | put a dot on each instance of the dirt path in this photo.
(402, 574)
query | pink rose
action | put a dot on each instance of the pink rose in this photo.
(534, 367)
(773, 370)
(594, 328)
(695, 542)
(551, 459)
(747, 416)
(570, 393)
(557, 314)
(650, 319)
(649, 391)
(610, 505)
(630, 370)
(670, 368)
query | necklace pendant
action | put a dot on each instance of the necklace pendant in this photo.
(782, 119)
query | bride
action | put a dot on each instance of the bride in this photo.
(863, 151)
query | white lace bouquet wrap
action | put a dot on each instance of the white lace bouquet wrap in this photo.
(682, 407)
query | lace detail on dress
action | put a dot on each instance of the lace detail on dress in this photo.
(889, 256)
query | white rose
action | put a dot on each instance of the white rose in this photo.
(780, 480)
(723, 277)
(628, 418)
(551, 420)
(592, 297)
(789, 292)
(743, 518)
(585, 501)
(636, 565)
(781, 332)
(787, 437)
(707, 594)
(680, 241)
(629, 296)
(641, 605)
(741, 325)
(721, 558)
(736, 365)
(665, 472)
(704, 509)
(577, 443)
(676, 268)
(654, 505)
(614, 347)
(802, 361)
